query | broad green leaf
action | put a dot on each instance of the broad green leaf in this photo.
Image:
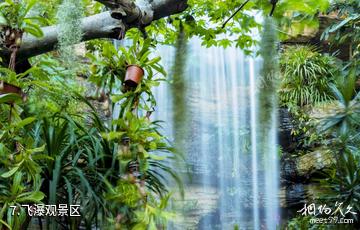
(36, 197)
(10, 173)
(10, 97)
(36, 150)
(24, 122)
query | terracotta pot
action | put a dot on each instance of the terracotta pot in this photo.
(6, 88)
(133, 77)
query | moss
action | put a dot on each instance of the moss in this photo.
(69, 17)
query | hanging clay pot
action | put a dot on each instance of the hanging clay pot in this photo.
(133, 77)
(6, 88)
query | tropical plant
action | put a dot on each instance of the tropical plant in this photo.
(341, 125)
(19, 169)
(138, 53)
(72, 174)
(21, 80)
(145, 149)
(179, 90)
(142, 154)
(306, 75)
(15, 194)
(269, 80)
(340, 183)
(15, 15)
(303, 222)
(346, 29)
(14, 18)
(343, 119)
(107, 66)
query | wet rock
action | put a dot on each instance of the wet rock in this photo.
(198, 202)
(289, 173)
(312, 36)
(286, 125)
(314, 161)
(299, 169)
(295, 195)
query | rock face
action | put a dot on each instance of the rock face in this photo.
(292, 195)
(198, 202)
(314, 161)
(301, 168)
(312, 36)
(286, 125)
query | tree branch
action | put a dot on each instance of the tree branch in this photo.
(233, 15)
(109, 24)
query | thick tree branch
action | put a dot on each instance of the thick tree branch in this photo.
(124, 14)
(97, 26)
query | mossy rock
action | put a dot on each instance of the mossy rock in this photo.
(314, 161)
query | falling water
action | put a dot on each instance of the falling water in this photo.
(234, 182)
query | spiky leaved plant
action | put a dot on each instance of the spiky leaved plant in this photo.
(69, 17)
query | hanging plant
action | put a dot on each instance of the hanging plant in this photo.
(138, 63)
(69, 17)
(268, 82)
(178, 89)
(13, 83)
(15, 21)
(134, 75)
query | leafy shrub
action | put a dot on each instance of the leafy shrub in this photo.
(15, 15)
(306, 75)
(342, 184)
(303, 222)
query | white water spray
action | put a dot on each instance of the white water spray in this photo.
(222, 141)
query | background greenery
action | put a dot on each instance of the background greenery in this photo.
(56, 148)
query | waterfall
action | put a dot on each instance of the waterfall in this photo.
(234, 180)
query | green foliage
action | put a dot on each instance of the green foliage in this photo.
(118, 171)
(303, 222)
(340, 125)
(140, 151)
(15, 14)
(344, 119)
(75, 163)
(347, 29)
(48, 9)
(19, 168)
(139, 53)
(341, 183)
(306, 75)
(14, 193)
(21, 80)
(205, 19)
(72, 174)
(109, 66)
